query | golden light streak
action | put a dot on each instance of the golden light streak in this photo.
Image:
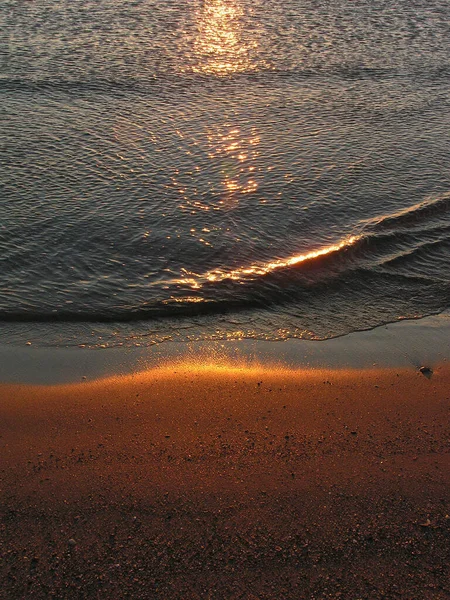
(196, 281)
(264, 269)
(187, 299)
(220, 48)
(234, 150)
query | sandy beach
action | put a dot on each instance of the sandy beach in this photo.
(225, 300)
(196, 481)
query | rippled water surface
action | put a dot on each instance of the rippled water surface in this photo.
(222, 168)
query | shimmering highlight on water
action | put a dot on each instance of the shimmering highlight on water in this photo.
(222, 168)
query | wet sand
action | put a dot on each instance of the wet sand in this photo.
(223, 483)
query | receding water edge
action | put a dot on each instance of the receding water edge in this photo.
(410, 343)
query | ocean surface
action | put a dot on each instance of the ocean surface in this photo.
(222, 169)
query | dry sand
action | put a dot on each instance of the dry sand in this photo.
(189, 482)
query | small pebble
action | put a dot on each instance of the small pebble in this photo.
(427, 371)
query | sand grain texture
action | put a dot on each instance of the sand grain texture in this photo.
(192, 483)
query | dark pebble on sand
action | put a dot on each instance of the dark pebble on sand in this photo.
(427, 371)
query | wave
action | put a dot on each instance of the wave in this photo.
(146, 83)
(412, 216)
(408, 248)
(74, 86)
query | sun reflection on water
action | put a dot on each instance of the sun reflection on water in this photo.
(235, 152)
(196, 281)
(219, 46)
(265, 268)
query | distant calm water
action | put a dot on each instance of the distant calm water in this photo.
(222, 168)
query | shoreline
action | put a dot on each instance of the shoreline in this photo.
(230, 474)
(408, 343)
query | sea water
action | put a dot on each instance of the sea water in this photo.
(222, 169)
